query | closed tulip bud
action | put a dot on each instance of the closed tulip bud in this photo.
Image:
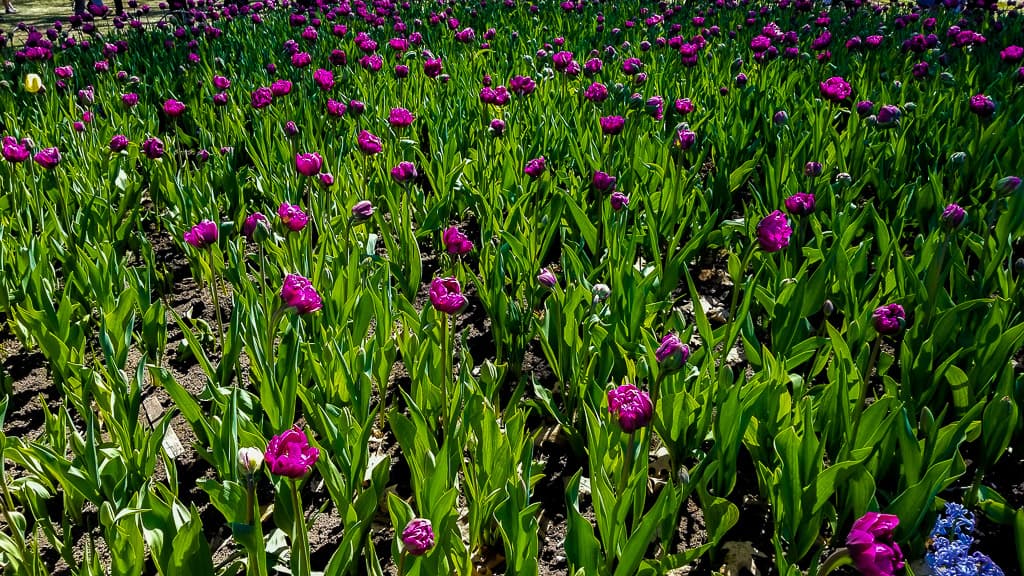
(812, 169)
(33, 83)
(250, 459)
(600, 292)
(844, 178)
(1008, 184)
(958, 158)
(828, 308)
(780, 118)
(953, 216)
(672, 353)
(1018, 265)
(362, 210)
(547, 278)
(618, 201)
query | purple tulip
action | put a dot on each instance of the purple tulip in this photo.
(289, 453)
(400, 118)
(982, 105)
(404, 172)
(685, 138)
(497, 127)
(953, 216)
(335, 108)
(612, 125)
(324, 79)
(536, 167)
(368, 143)
(1012, 54)
(446, 295)
(292, 216)
(202, 235)
(889, 319)
(153, 148)
(888, 114)
(672, 353)
(865, 107)
(773, 232)
(174, 108)
(780, 118)
(547, 278)
(47, 158)
(432, 67)
(455, 242)
(800, 204)
(618, 201)
(812, 169)
(836, 89)
(418, 536)
(1007, 184)
(522, 85)
(683, 106)
(297, 292)
(221, 83)
(262, 97)
(872, 545)
(362, 210)
(308, 164)
(118, 143)
(14, 151)
(631, 406)
(326, 179)
(603, 182)
(281, 88)
(254, 221)
(596, 92)
(291, 129)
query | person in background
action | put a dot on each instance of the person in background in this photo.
(8, 7)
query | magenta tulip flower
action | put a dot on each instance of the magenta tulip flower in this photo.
(202, 235)
(418, 536)
(290, 455)
(48, 158)
(446, 295)
(297, 292)
(800, 204)
(872, 545)
(455, 242)
(889, 319)
(773, 232)
(308, 164)
(368, 143)
(292, 216)
(631, 406)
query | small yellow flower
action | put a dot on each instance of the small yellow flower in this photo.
(33, 83)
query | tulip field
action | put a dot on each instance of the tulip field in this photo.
(474, 287)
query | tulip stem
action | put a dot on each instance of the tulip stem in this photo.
(865, 384)
(300, 539)
(216, 307)
(401, 563)
(840, 557)
(446, 375)
(627, 467)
